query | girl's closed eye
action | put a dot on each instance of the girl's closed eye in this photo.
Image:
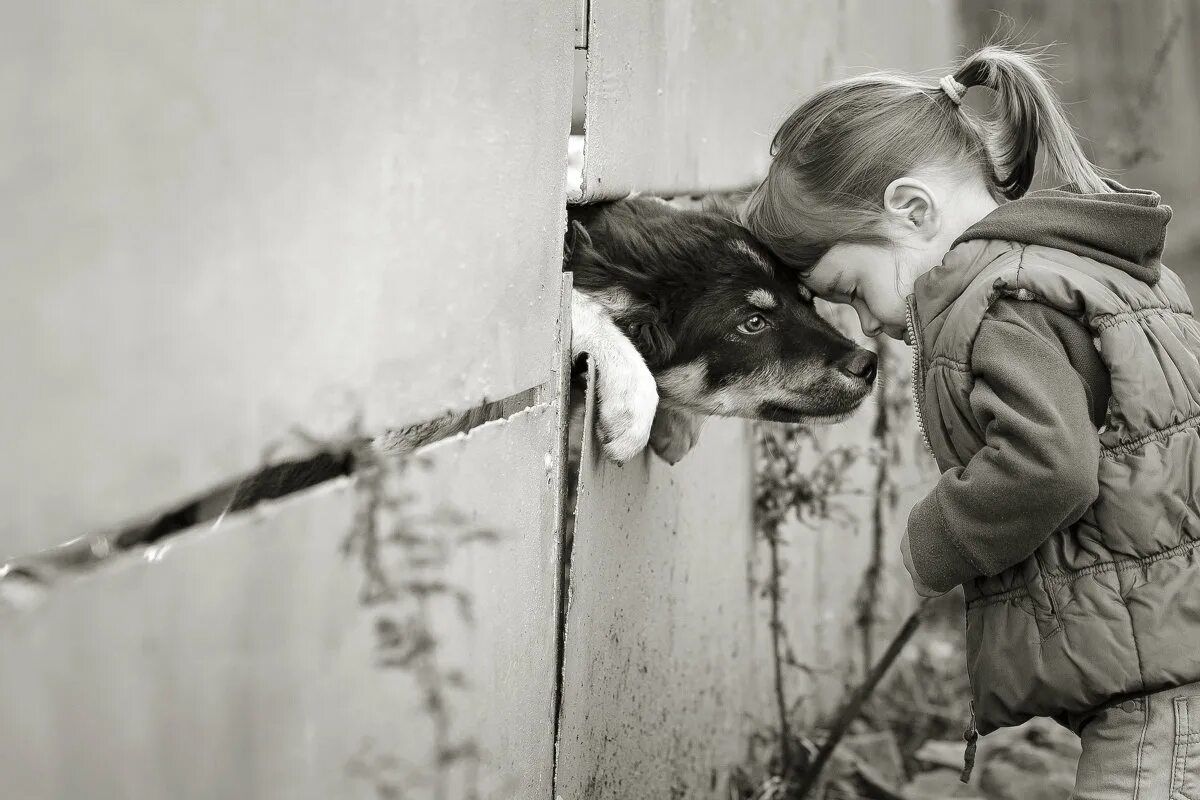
(835, 293)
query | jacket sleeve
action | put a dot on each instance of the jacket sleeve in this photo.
(1036, 473)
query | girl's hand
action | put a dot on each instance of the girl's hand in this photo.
(921, 588)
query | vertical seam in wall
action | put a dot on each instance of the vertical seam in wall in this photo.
(562, 589)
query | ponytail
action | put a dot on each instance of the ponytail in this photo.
(1028, 114)
(835, 155)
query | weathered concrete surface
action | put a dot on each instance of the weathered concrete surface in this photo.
(684, 96)
(659, 675)
(230, 220)
(242, 662)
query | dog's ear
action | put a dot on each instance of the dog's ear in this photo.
(648, 331)
(576, 240)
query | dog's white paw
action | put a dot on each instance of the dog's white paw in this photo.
(674, 433)
(626, 400)
(626, 396)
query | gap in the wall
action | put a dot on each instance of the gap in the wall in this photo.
(326, 462)
(577, 141)
(580, 391)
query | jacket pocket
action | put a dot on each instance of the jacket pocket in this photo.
(1185, 761)
(1041, 598)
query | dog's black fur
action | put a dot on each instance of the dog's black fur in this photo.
(691, 289)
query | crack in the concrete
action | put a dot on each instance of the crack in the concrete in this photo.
(328, 459)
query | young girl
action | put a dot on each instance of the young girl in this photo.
(1057, 383)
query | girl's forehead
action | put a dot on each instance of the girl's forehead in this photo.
(840, 264)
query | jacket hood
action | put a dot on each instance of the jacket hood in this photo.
(1125, 229)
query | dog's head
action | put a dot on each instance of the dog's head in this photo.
(724, 327)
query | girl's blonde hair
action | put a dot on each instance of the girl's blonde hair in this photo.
(836, 154)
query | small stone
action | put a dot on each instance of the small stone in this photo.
(940, 784)
(880, 752)
(942, 754)
(1043, 734)
(1003, 780)
(1035, 761)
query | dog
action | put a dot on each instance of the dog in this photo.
(686, 316)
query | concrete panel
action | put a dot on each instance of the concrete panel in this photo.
(232, 219)
(252, 661)
(685, 96)
(658, 675)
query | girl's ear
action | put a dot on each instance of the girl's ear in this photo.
(910, 203)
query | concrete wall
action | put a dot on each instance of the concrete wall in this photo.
(254, 230)
(298, 652)
(233, 222)
(685, 96)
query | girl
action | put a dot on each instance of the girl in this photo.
(1057, 383)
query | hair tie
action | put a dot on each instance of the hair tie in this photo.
(953, 89)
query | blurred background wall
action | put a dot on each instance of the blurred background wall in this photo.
(1130, 74)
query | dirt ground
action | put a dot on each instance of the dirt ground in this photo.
(907, 742)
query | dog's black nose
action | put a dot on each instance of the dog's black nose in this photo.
(859, 364)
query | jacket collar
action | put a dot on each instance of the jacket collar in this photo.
(936, 290)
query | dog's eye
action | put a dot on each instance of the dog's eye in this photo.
(753, 325)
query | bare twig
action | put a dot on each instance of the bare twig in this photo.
(785, 488)
(869, 596)
(851, 709)
(777, 633)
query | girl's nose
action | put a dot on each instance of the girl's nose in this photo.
(870, 326)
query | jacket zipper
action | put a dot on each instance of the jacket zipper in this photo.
(971, 735)
(918, 377)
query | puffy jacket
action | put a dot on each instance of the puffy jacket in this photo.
(1109, 605)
